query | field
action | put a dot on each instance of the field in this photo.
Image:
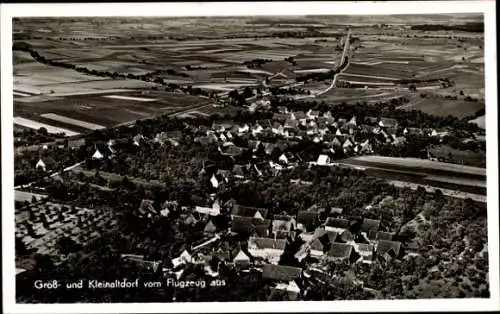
(212, 57)
(443, 107)
(459, 178)
(480, 121)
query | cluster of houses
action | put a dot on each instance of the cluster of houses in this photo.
(260, 240)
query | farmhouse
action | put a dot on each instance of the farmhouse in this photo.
(366, 252)
(269, 249)
(370, 225)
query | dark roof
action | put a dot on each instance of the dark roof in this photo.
(384, 246)
(283, 217)
(268, 243)
(340, 250)
(307, 218)
(247, 211)
(365, 247)
(299, 115)
(280, 272)
(370, 225)
(280, 116)
(347, 236)
(380, 235)
(337, 223)
(226, 124)
(146, 206)
(389, 123)
(316, 245)
(233, 150)
(249, 225)
(239, 170)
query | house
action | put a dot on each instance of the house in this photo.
(335, 142)
(97, 155)
(366, 253)
(381, 235)
(284, 223)
(76, 143)
(291, 124)
(338, 225)
(248, 226)
(371, 120)
(257, 129)
(184, 258)
(214, 181)
(388, 249)
(352, 122)
(247, 211)
(280, 117)
(298, 116)
(212, 211)
(336, 211)
(269, 148)
(369, 225)
(167, 207)
(316, 249)
(388, 123)
(323, 160)
(291, 289)
(241, 259)
(224, 174)
(267, 248)
(138, 139)
(308, 219)
(146, 208)
(41, 165)
(239, 171)
(340, 252)
(280, 272)
(232, 150)
(221, 126)
(312, 114)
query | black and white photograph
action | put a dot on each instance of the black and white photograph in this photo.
(320, 154)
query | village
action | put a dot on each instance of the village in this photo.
(246, 238)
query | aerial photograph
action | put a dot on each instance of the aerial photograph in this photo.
(255, 158)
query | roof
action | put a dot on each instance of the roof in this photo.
(316, 245)
(384, 246)
(210, 227)
(299, 115)
(370, 225)
(249, 225)
(337, 223)
(366, 248)
(283, 217)
(336, 210)
(340, 250)
(347, 236)
(268, 243)
(146, 206)
(380, 235)
(388, 123)
(280, 272)
(307, 218)
(233, 150)
(247, 211)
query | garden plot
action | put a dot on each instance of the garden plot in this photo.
(444, 107)
(37, 125)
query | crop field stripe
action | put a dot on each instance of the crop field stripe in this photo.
(371, 76)
(83, 124)
(37, 125)
(130, 98)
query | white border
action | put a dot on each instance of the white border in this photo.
(241, 9)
